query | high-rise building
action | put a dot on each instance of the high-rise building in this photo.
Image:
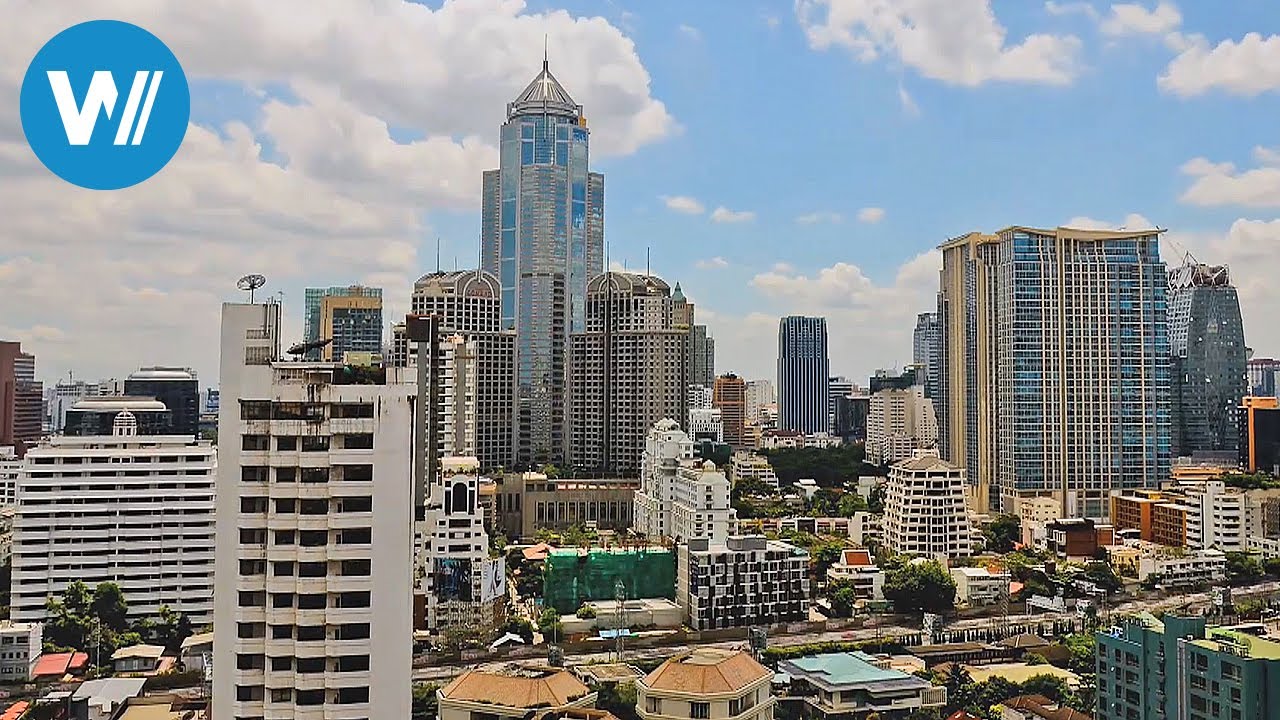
(66, 393)
(350, 316)
(924, 509)
(699, 397)
(477, 364)
(176, 387)
(838, 387)
(1055, 364)
(925, 351)
(1260, 434)
(803, 396)
(702, 356)
(760, 393)
(680, 498)
(705, 424)
(313, 513)
(464, 587)
(899, 422)
(542, 236)
(1206, 337)
(1264, 376)
(741, 581)
(627, 372)
(851, 414)
(141, 517)
(21, 398)
(729, 395)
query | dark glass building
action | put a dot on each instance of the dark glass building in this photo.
(177, 388)
(96, 416)
(804, 392)
(1260, 435)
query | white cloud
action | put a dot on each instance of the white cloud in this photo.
(959, 42)
(1248, 67)
(870, 214)
(772, 21)
(723, 214)
(714, 263)
(1218, 184)
(1132, 221)
(820, 217)
(1071, 8)
(1136, 19)
(683, 204)
(783, 267)
(690, 31)
(908, 103)
(335, 199)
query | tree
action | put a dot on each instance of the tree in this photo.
(586, 612)
(1101, 574)
(549, 625)
(618, 698)
(1243, 567)
(519, 626)
(875, 499)
(829, 467)
(851, 503)
(109, 606)
(843, 597)
(1003, 533)
(1272, 566)
(424, 705)
(169, 630)
(1082, 647)
(920, 586)
(551, 471)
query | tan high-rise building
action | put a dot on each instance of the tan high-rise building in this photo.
(729, 394)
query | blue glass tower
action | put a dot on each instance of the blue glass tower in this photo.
(804, 395)
(542, 235)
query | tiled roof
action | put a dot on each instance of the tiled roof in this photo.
(550, 689)
(707, 671)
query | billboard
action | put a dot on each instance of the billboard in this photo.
(452, 579)
(493, 579)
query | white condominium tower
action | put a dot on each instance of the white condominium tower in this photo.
(924, 508)
(680, 497)
(125, 508)
(314, 532)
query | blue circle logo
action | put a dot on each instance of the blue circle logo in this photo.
(105, 105)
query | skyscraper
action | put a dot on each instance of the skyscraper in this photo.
(838, 387)
(628, 372)
(925, 351)
(729, 394)
(350, 316)
(803, 394)
(1206, 337)
(702, 354)
(542, 236)
(1264, 376)
(21, 398)
(1055, 364)
(177, 388)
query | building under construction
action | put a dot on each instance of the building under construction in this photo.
(572, 577)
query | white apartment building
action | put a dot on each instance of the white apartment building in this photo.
(781, 439)
(760, 393)
(859, 569)
(1202, 567)
(707, 684)
(899, 422)
(698, 396)
(924, 508)
(1224, 518)
(10, 467)
(464, 588)
(749, 466)
(125, 508)
(20, 646)
(705, 424)
(744, 580)
(680, 497)
(977, 586)
(314, 533)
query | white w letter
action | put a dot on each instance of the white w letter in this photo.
(80, 121)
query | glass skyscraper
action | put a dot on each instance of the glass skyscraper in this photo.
(349, 316)
(804, 397)
(1206, 335)
(1055, 362)
(542, 236)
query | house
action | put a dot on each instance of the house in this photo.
(194, 650)
(102, 699)
(55, 666)
(835, 685)
(138, 659)
(1037, 707)
(976, 587)
(706, 683)
(859, 569)
(482, 695)
(1077, 538)
(20, 646)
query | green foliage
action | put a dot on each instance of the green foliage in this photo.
(519, 626)
(771, 655)
(843, 597)
(1243, 567)
(97, 620)
(875, 499)
(1082, 647)
(920, 587)
(1034, 659)
(586, 612)
(829, 467)
(1255, 481)
(619, 699)
(424, 705)
(1003, 533)
(549, 625)
(1272, 566)
(170, 680)
(551, 471)
(1101, 574)
(829, 502)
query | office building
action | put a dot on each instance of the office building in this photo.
(729, 396)
(705, 424)
(627, 372)
(1055, 362)
(707, 684)
(476, 364)
(177, 388)
(851, 414)
(899, 422)
(1260, 435)
(542, 236)
(350, 316)
(1263, 376)
(97, 416)
(855, 684)
(924, 351)
(1176, 667)
(838, 388)
(10, 468)
(534, 694)
(804, 397)
(699, 397)
(760, 393)
(464, 587)
(742, 581)
(529, 501)
(66, 393)
(1206, 338)
(313, 514)
(924, 509)
(21, 398)
(702, 356)
(680, 498)
(140, 510)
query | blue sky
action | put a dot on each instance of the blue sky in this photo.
(334, 143)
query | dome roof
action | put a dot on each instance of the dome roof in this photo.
(544, 95)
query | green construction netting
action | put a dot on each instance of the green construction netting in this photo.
(571, 577)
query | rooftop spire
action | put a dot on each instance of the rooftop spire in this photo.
(545, 64)
(545, 94)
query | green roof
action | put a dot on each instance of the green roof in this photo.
(1259, 648)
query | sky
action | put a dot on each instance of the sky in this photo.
(773, 157)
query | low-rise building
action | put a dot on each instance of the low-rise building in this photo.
(747, 580)
(859, 570)
(976, 586)
(196, 652)
(706, 684)
(784, 439)
(20, 648)
(641, 613)
(855, 684)
(744, 466)
(1187, 569)
(705, 424)
(528, 501)
(137, 659)
(480, 695)
(1077, 538)
(1037, 707)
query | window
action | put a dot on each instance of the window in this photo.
(253, 473)
(310, 665)
(285, 505)
(310, 697)
(351, 600)
(313, 507)
(360, 441)
(357, 473)
(255, 443)
(357, 568)
(311, 602)
(287, 442)
(281, 632)
(699, 710)
(353, 663)
(282, 568)
(281, 695)
(281, 600)
(284, 537)
(355, 536)
(313, 538)
(353, 410)
(315, 443)
(252, 599)
(653, 705)
(359, 503)
(255, 410)
(253, 567)
(310, 633)
(350, 695)
(312, 570)
(315, 475)
(249, 662)
(248, 693)
(286, 474)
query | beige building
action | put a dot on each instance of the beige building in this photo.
(335, 310)
(538, 692)
(530, 501)
(924, 509)
(705, 684)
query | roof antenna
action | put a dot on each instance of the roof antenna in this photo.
(646, 262)
(544, 52)
(437, 253)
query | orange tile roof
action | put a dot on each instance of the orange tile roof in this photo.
(707, 671)
(857, 558)
(15, 710)
(551, 689)
(52, 664)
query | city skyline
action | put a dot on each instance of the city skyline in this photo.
(368, 205)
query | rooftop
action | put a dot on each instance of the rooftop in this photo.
(1020, 672)
(541, 688)
(707, 670)
(1233, 640)
(1042, 707)
(152, 652)
(843, 669)
(544, 95)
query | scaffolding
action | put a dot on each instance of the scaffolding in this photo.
(572, 577)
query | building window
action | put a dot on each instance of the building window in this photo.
(653, 705)
(699, 710)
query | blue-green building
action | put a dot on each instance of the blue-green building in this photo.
(1176, 669)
